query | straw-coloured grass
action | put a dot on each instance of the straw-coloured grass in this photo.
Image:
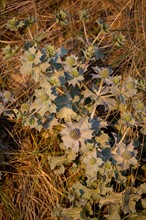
(29, 189)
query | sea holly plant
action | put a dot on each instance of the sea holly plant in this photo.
(125, 156)
(9, 51)
(61, 17)
(14, 24)
(6, 99)
(99, 94)
(93, 147)
(84, 15)
(74, 135)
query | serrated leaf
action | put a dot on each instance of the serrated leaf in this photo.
(112, 197)
(98, 54)
(84, 15)
(59, 170)
(103, 139)
(143, 202)
(62, 18)
(130, 199)
(9, 51)
(62, 52)
(56, 161)
(41, 36)
(30, 20)
(142, 189)
(84, 192)
(73, 212)
(67, 114)
(13, 24)
(63, 101)
(114, 212)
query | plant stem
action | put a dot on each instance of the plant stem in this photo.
(100, 87)
(85, 32)
(124, 135)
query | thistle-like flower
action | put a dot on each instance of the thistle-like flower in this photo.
(74, 76)
(6, 97)
(74, 134)
(130, 87)
(125, 155)
(43, 101)
(103, 73)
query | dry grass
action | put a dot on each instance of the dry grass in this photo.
(28, 189)
(127, 17)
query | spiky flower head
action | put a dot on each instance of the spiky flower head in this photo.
(75, 134)
(50, 51)
(84, 15)
(61, 17)
(6, 96)
(129, 87)
(125, 155)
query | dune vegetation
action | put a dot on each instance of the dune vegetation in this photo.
(72, 109)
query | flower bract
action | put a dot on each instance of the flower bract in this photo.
(125, 155)
(76, 133)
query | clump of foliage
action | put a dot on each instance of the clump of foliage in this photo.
(96, 148)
